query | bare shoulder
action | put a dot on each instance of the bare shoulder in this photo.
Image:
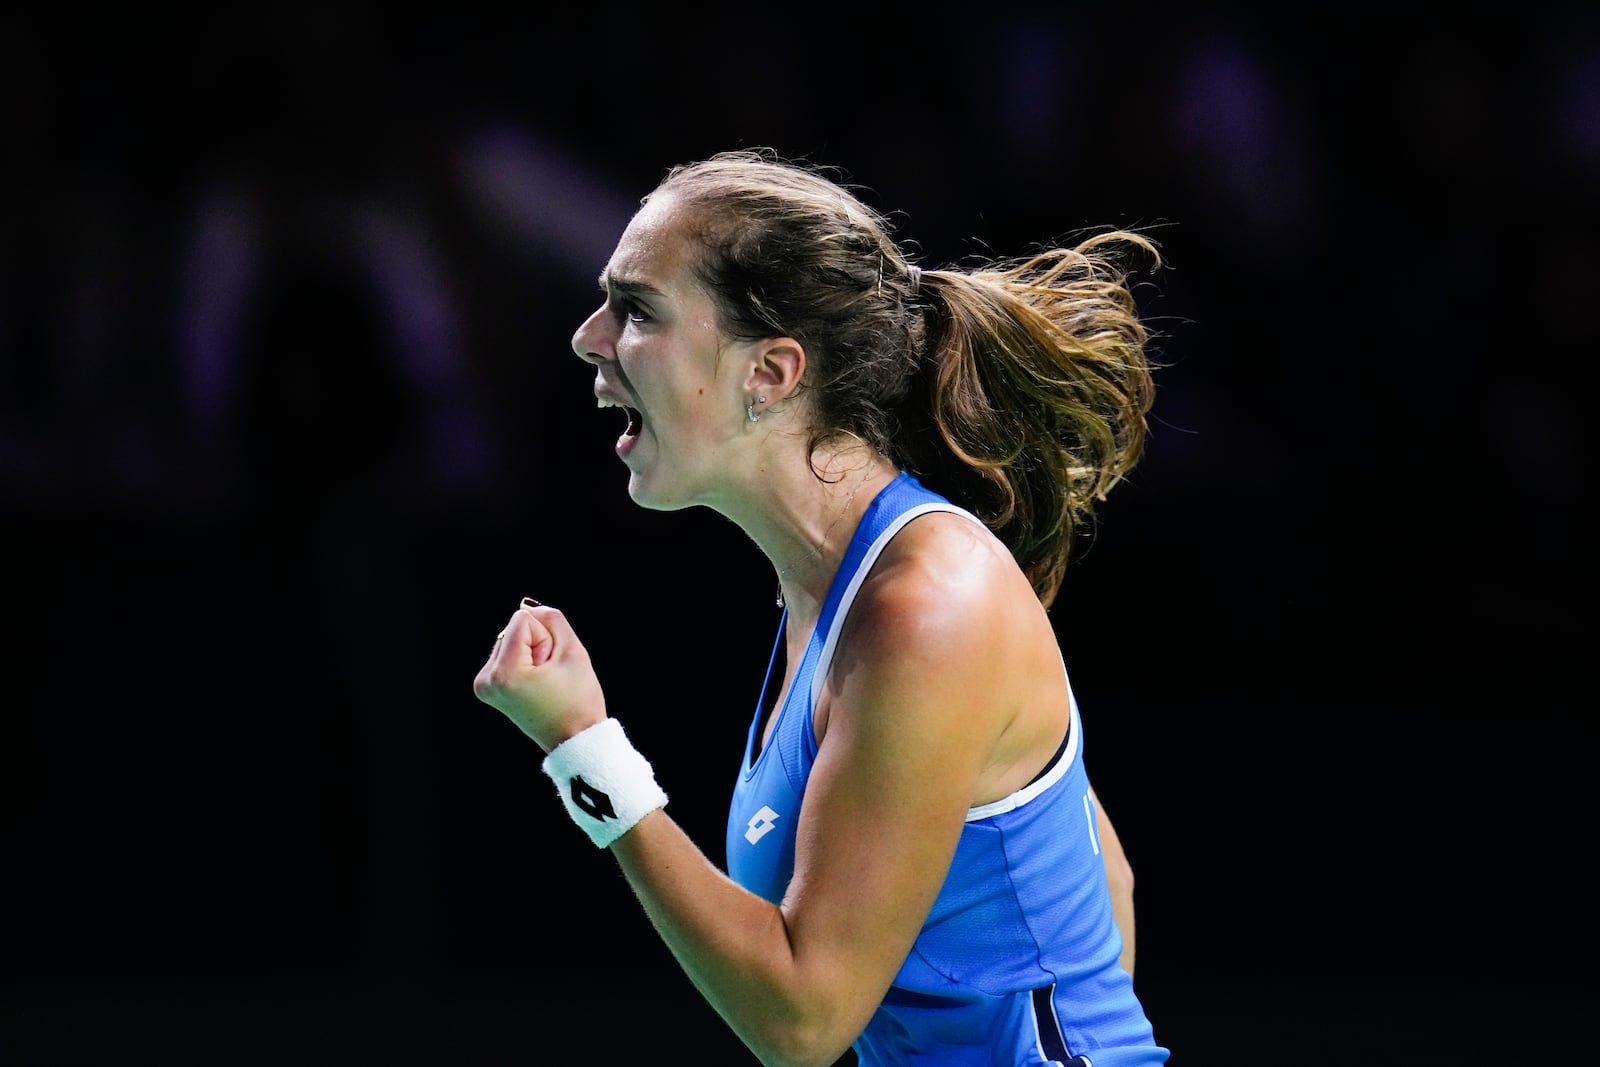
(947, 660)
(944, 662)
(943, 584)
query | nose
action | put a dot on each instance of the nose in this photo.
(592, 341)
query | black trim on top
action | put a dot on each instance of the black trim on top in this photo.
(1051, 1041)
(777, 667)
(1053, 760)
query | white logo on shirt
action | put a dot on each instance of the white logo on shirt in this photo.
(760, 824)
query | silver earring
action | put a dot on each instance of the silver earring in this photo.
(750, 409)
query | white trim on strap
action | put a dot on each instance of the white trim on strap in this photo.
(1033, 789)
(982, 811)
(873, 551)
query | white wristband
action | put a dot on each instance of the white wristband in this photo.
(604, 782)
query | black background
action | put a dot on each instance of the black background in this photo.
(288, 425)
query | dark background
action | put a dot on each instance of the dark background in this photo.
(288, 424)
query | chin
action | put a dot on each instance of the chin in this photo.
(653, 497)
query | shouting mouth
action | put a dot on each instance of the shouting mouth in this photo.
(630, 433)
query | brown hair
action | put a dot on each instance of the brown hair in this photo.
(1017, 389)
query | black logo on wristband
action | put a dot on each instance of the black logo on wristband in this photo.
(591, 801)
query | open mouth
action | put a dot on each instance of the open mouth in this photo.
(635, 419)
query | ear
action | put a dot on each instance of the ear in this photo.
(776, 367)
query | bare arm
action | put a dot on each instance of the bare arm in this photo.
(882, 814)
(883, 810)
(1119, 875)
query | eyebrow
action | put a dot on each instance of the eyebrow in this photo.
(625, 287)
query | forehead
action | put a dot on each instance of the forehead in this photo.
(656, 248)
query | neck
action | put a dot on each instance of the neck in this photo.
(803, 521)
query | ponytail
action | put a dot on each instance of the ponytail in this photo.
(1035, 385)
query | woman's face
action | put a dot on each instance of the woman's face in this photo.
(660, 356)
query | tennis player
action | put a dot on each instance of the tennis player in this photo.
(916, 863)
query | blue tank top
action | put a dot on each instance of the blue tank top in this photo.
(1017, 961)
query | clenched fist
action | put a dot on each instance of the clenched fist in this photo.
(540, 677)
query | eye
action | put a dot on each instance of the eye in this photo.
(626, 308)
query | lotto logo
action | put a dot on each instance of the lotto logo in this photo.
(591, 801)
(760, 824)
